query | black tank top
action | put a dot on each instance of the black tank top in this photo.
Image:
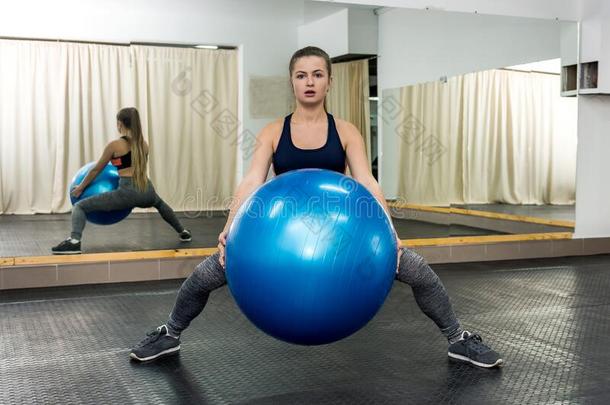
(124, 161)
(288, 157)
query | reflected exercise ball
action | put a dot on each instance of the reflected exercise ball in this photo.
(107, 180)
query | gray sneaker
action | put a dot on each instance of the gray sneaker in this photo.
(67, 247)
(471, 349)
(157, 343)
(185, 236)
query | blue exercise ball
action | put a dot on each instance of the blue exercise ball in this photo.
(310, 257)
(105, 181)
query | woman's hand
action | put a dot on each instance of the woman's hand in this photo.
(77, 191)
(222, 244)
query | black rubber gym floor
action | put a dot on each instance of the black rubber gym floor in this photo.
(34, 235)
(549, 318)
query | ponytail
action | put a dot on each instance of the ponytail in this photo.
(139, 159)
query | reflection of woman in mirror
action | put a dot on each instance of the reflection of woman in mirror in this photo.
(312, 138)
(129, 154)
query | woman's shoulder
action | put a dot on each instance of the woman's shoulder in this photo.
(347, 130)
(275, 124)
(272, 129)
(115, 143)
(342, 124)
(118, 145)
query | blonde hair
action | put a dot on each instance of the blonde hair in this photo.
(130, 118)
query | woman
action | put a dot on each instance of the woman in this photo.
(129, 154)
(312, 138)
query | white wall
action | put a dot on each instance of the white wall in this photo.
(345, 31)
(419, 46)
(363, 31)
(593, 165)
(547, 66)
(315, 10)
(568, 43)
(264, 29)
(561, 9)
(328, 33)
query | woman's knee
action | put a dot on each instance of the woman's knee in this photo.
(413, 268)
(81, 206)
(411, 258)
(209, 274)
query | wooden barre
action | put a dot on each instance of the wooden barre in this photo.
(201, 252)
(486, 214)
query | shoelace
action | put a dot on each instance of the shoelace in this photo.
(68, 241)
(151, 337)
(475, 342)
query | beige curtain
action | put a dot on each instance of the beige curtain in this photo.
(95, 83)
(29, 121)
(487, 137)
(188, 103)
(428, 143)
(348, 97)
(58, 108)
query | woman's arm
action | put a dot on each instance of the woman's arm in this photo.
(256, 175)
(101, 163)
(359, 165)
(359, 168)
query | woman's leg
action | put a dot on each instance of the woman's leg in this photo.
(168, 214)
(192, 298)
(151, 199)
(113, 200)
(433, 300)
(193, 295)
(429, 293)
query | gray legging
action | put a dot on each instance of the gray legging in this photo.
(126, 196)
(429, 292)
